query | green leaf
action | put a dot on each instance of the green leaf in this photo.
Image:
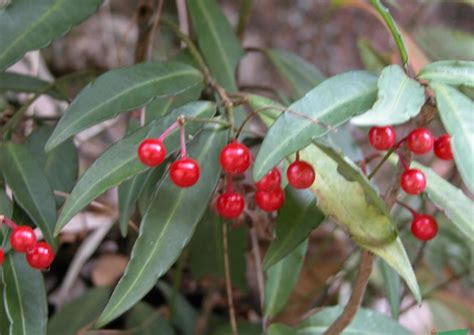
(280, 329)
(122, 90)
(184, 316)
(392, 287)
(167, 226)
(60, 165)
(120, 161)
(4, 322)
(452, 72)
(399, 98)
(30, 186)
(28, 25)
(206, 251)
(217, 41)
(332, 103)
(24, 296)
(80, 312)
(451, 200)
(300, 74)
(244, 327)
(10, 81)
(366, 322)
(445, 43)
(455, 110)
(282, 278)
(143, 319)
(296, 219)
(373, 60)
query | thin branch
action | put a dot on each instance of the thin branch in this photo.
(258, 266)
(244, 15)
(228, 282)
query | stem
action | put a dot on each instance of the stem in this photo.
(182, 138)
(229, 187)
(228, 282)
(259, 271)
(168, 131)
(350, 310)
(411, 210)
(206, 120)
(7, 222)
(403, 161)
(381, 163)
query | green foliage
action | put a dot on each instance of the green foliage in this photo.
(144, 320)
(392, 287)
(442, 43)
(10, 81)
(449, 72)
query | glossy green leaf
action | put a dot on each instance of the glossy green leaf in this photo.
(282, 278)
(373, 60)
(331, 103)
(24, 296)
(79, 312)
(366, 322)
(455, 110)
(167, 226)
(10, 81)
(206, 251)
(4, 322)
(399, 98)
(244, 327)
(122, 90)
(281, 329)
(392, 287)
(300, 74)
(442, 43)
(452, 72)
(6, 208)
(143, 319)
(218, 43)
(60, 165)
(30, 186)
(296, 219)
(451, 200)
(28, 24)
(184, 316)
(120, 161)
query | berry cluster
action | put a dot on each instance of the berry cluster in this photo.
(39, 255)
(413, 181)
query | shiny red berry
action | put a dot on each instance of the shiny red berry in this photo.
(235, 158)
(413, 181)
(420, 141)
(270, 181)
(184, 172)
(270, 201)
(152, 152)
(41, 256)
(424, 227)
(230, 205)
(2, 256)
(300, 174)
(23, 238)
(442, 147)
(382, 138)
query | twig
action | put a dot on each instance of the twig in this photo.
(381, 163)
(258, 266)
(228, 282)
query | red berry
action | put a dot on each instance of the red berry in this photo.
(270, 201)
(184, 172)
(424, 227)
(235, 158)
(382, 138)
(420, 141)
(2, 256)
(152, 152)
(23, 239)
(230, 205)
(271, 180)
(442, 147)
(413, 181)
(41, 256)
(300, 174)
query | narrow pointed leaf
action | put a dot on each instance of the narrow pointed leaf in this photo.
(28, 25)
(24, 296)
(392, 287)
(167, 226)
(120, 162)
(296, 219)
(373, 60)
(451, 200)
(399, 98)
(333, 102)
(30, 186)
(300, 74)
(143, 319)
(366, 322)
(4, 322)
(442, 43)
(122, 90)
(282, 278)
(280, 329)
(10, 81)
(452, 72)
(75, 315)
(456, 111)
